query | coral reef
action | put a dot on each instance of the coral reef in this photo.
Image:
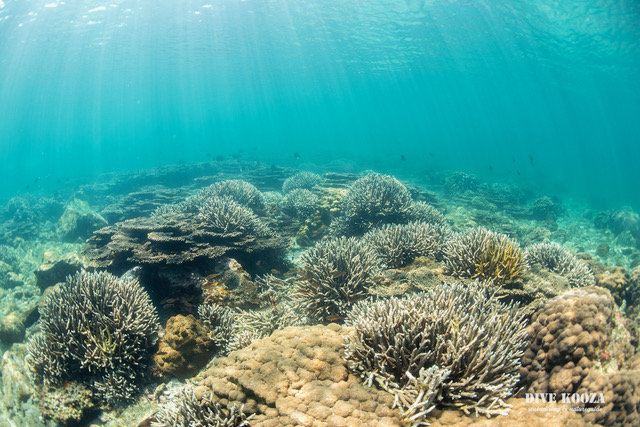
(452, 346)
(189, 407)
(299, 203)
(373, 201)
(297, 377)
(97, 330)
(579, 343)
(483, 254)
(184, 348)
(398, 245)
(335, 274)
(221, 323)
(302, 180)
(559, 260)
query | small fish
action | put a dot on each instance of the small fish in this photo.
(296, 156)
(274, 271)
(37, 178)
(518, 172)
(291, 273)
(169, 300)
(212, 276)
(490, 168)
(338, 274)
(258, 263)
(219, 158)
(531, 159)
(403, 158)
(334, 318)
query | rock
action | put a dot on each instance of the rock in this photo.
(78, 221)
(11, 329)
(55, 268)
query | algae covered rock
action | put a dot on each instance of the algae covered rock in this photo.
(78, 221)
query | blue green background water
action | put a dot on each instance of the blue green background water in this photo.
(542, 93)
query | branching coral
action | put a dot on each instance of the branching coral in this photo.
(483, 254)
(334, 275)
(371, 202)
(220, 321)
(555, 258)
(225, 214)
(186, 409)
(399, 245)
(98, 330)
(453, 346)
(302, 180)
(424, 212)
(299, 203)
(241, 192)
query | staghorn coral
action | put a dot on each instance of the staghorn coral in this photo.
(453, 346)
(578, 343)
(424, 212)
(555, 258)
(299, 203)
(335, 274)
(235, 329)
(483, 254)
(298, 377)
(228, 216)
(302, 180)
(241, 192)
(398, 245)
(371, 202)
(220, 321)
(188, 407)
(97, 330)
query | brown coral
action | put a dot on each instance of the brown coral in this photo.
(579, 344)
(297, 377)
(184, 348)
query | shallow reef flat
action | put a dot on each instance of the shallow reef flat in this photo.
(235, 293)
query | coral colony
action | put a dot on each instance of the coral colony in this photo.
(332, 299)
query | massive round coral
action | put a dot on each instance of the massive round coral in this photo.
(452, 346)
(335, 274)
(98, 330)
(301, 180)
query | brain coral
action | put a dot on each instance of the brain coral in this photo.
(297, 377)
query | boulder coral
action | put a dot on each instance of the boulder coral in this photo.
(297, 377)
(579, 343)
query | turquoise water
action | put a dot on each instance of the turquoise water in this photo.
(542, 93)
